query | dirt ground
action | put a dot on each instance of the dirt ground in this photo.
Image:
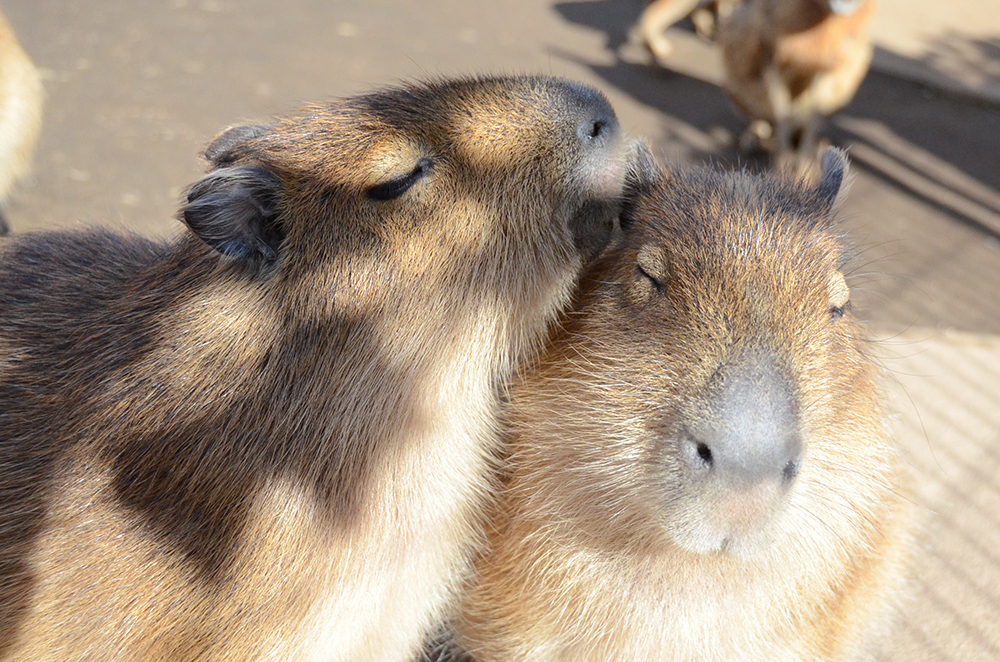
(135, 88)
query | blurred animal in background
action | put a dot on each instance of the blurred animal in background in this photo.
(20, 114)
(790, 64)
(661, 14)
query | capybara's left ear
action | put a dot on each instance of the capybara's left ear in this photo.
(235, 211)
(642, 173)
(832, 181)
(225, 147)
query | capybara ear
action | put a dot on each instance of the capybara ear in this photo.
(224, 148)
(643, 169)
(642, 173)
(235, 211)
(832, 181)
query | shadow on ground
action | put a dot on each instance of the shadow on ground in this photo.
(932, 151)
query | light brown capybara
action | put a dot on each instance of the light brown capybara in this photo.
(699, 467)
(270, 439)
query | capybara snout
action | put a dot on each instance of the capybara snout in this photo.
(745, 428)
(740, 447)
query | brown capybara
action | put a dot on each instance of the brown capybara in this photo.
(20, 113)
(699, 467)
(790, 64)
(270, 438)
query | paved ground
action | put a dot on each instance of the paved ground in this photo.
(136, 88)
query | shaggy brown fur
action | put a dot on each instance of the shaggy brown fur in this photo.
(270, 438)
(700, 468)
(20, 113)
(790, 64)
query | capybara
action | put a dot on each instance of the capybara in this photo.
(20, 113)
(271, 438)
(699, 466)
(789, 65)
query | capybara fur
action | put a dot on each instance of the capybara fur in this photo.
(789, 65)
(699, 466)
(270, 439)
(20, 113)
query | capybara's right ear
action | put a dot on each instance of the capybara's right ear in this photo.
(832, 181)
(235, 211)
(224, 148)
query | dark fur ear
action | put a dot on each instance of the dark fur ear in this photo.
(235, 211)
(832, 182)
(224, 148)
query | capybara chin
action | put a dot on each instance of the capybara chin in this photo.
(270, 438)
(699, 467)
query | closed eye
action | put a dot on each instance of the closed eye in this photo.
(836, 312)
(397, 186)
(657, 284)
(839, 294)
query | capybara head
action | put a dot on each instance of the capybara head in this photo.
(724, 370)
(699, 459)
(492, 184)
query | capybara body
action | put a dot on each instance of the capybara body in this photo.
(20, 113)
(270, 439)
(791, 63)
(699, 468)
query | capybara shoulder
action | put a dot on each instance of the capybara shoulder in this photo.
(271, 438)
(699, 466)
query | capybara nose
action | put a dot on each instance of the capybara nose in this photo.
(748, 430)
(597, 120)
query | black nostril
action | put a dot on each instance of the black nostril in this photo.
(596, 128)
(705, 453)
